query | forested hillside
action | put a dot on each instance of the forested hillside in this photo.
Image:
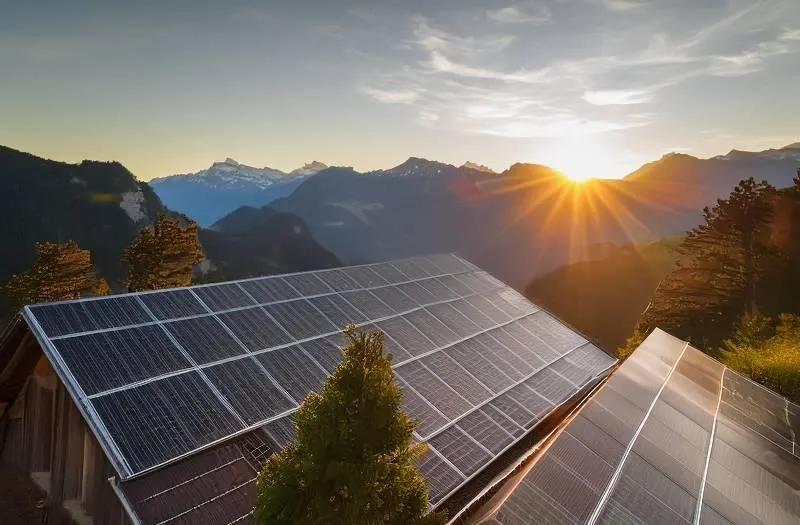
(605, 297)
(735, 290)
(102, 207)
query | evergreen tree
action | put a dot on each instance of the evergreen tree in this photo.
(162, 255)
(722, 262)
(61, 271)
(352, 462)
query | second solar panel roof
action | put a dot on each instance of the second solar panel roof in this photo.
(656, 445)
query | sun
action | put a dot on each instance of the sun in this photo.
(583, 158)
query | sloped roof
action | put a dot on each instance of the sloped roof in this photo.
(170, 379)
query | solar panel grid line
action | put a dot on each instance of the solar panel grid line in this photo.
(699, 509)
(88, 411)
(460, 366)
(425, 400)
(460, 340)
(494, 420)
(472, 268)
(247, 353)
(791, 429)
(222, 311)
(614, 479)
(202, 374)
(270, 349)
(206, 502)
(496, 396)
(760, 434)
(311, 357)
(449, 463)
(491, 454)
(482, 468)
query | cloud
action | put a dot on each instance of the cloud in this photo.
(622, 5)
(524, 13)
(403, 96)
(467, 77)
(616, 97)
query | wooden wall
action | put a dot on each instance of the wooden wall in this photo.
(46, 436)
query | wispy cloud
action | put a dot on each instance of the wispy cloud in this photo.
(472, 77)
(622, 5)
(616, 97)
(386, 96)
(522, 13)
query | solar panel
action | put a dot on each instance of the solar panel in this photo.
(167, 374)
(672, 437)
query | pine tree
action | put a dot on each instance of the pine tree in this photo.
(61, 271)
(722, 262)
(162, 255)
(352, 462)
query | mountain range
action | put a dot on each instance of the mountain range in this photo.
(101, 206)
(519, 224)
(210, 194)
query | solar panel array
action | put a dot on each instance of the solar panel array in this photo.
(673, 437)
(161, 375)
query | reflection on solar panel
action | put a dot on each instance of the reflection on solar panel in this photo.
(672, 437)
(163, 375)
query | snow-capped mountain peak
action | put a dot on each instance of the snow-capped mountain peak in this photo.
(308, 169)
(415, 167)
(790, 152)
(478, 167)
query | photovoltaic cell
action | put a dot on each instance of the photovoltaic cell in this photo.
(325, 352)
(410, 269)
(156, 422)
(395, 299)
(452, 319)
(442, 478)
(269, 290)
(84, 316)
(436, 392)
(485, 431)
(300, 319)
(417, 293)
(293, 370)
(369, 305)
(255, 328)
(248, 389)
(338, 280)
(431, 327)
(456, 377)
(307, 284)
(223, 296)
(427, 418)
(468, 353)
(406, 335)
(390, 273)
(204, 339)
(106, 360)
(281, 431)
(365, 277)
(172, 304)
(337, 310)
(466, 455)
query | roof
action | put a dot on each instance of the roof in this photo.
(170, 379)
(672, 437)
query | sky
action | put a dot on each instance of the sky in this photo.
(597, 86)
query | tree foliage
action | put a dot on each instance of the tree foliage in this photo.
(773, 360)
(162, 255)
(61, 271)
(352, 462)
(723, 261)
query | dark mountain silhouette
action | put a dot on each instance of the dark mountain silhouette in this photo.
(101, 206)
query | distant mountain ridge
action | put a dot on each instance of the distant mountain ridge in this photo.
(518, 224)
(209, 194)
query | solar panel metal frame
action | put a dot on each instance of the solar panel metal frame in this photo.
(119, 460)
